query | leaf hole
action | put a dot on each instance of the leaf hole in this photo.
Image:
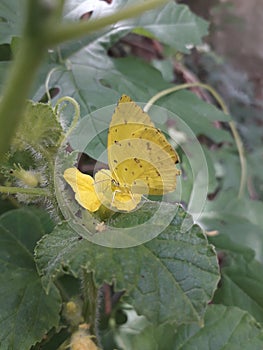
(86, 16)
(53, 92)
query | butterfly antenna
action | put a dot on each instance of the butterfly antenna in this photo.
(98, 182)
(104, 172)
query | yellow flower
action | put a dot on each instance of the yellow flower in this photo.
(83, 186)
(92, 193)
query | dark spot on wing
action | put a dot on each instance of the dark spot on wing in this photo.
(148, 146)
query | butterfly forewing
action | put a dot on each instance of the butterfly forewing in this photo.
(138, 153)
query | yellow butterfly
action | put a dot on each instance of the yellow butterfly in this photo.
(141, 161)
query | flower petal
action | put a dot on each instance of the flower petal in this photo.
(83, 186)
(103, 186)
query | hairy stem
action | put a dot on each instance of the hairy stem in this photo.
(30, 191)
(90, 294)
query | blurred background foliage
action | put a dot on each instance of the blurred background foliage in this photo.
(139, 59)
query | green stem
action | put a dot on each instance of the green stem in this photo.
(65, 32)
(47, 83)
(30, 191)
(220, 101)
(186, 86)
(242, 158)
(90, 294)
(17, 90)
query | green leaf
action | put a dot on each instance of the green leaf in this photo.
(242, 281)
(239, 219)
(172, 24)
(165, 67)
(197, 114)
(175, 26)
(27, 313)
(45, 132)
(95, 80)
(5, 205)
(213, 183)
(254, 170)
(225, 328)
(176, 272)
(11, 19)
(228, 167)
(137, 333)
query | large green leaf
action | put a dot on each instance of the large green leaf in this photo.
(227, 164)
(242, 281)
(239, 218)
(173, 24)
(27, 312)
(171, 278)
(11, 19)
(95, 80)
(225, 328)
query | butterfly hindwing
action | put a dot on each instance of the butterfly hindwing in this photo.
(152, 165)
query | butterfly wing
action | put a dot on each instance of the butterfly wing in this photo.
(129, 121)
(143, 166)
(138, 152)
